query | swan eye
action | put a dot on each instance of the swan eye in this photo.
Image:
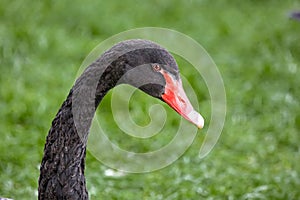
(156, 67)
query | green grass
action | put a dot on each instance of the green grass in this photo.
(254, 44)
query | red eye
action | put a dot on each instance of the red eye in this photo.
(156, 67)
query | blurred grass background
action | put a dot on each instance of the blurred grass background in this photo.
(254, 44)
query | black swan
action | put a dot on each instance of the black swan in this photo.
(140, 63)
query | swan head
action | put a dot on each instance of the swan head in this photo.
(154, 70)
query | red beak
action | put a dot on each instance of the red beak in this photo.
(175, 96)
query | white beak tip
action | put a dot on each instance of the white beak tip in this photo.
(196, 119)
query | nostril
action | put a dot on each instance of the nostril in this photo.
(181, 99)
